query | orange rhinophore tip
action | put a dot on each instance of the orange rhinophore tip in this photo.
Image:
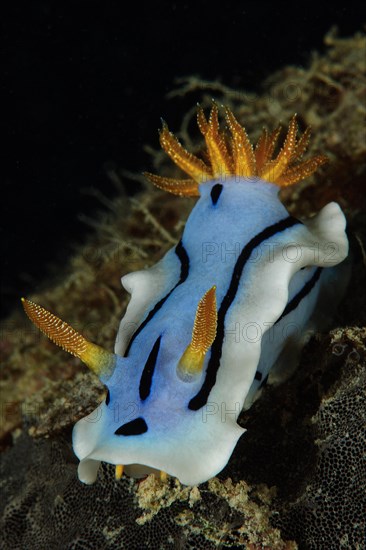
(234, 155)
(100, 361)
(203, 335)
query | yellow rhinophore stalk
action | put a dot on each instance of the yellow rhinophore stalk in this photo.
(99, 360)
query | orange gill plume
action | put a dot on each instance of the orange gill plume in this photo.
(234, 155)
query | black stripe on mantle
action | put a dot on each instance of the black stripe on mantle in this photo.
(201, 398)
(184, 270)
(292, 305)
(148, 372)
(306, 289)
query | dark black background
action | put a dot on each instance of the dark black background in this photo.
(84, 85)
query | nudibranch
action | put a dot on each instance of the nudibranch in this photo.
(211, 318)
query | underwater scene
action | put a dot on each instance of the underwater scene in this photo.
(183, 324)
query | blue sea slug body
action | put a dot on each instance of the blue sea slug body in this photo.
(233, 298)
